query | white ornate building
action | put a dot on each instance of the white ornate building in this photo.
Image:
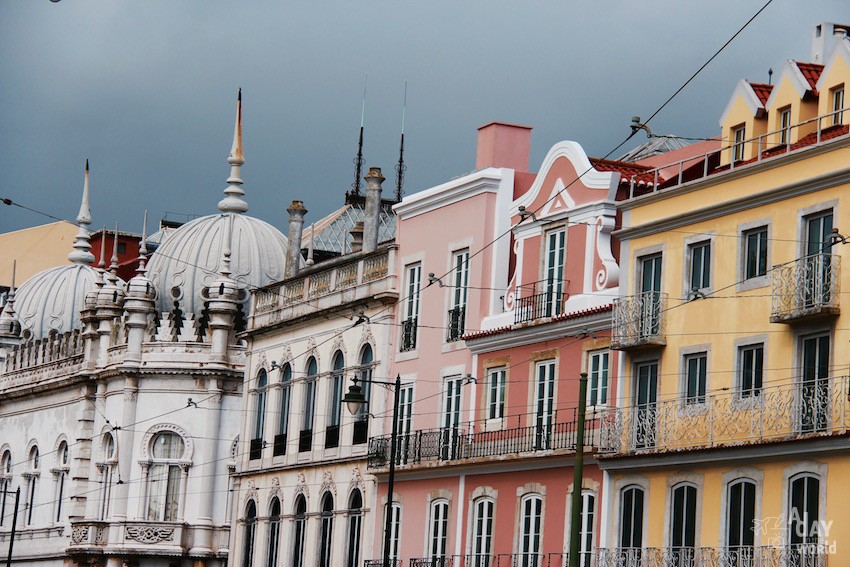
(120, 403)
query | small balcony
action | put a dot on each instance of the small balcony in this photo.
(408, 334)
(539, 306)
(777, 413)
(806, 290)
(639, 321)
(447, 444)
(457, 323)
(806, 555)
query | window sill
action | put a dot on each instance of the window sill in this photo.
(753, 283)
(407, 355)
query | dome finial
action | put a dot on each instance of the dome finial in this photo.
(233, 202)
(113, 265)
(226, 237)
(143, 246)
(82, 246)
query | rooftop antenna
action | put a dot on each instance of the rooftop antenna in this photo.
(358, 161)
(399, 179)
(770, 76)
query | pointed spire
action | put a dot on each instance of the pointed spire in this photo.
(82, 245)
(226, 237)
(400, 168)
(101, 265)
(9, 326)
(233, 202)
(113, 265)
(358, 161)
(143, 247)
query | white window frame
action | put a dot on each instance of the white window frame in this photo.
(739, 135)
(481, 542)
(744, 231)
(438, 530)
(529, 554)
(497, 378)
(166, 492)
(837, 103)
(602, 379)
(785, 125)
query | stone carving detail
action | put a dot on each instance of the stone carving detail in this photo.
(356, 480)
(100, 536)
(79, 534)
(301, 486)
(149, 534)
(250, 492)
(275, 489)
(328, 483)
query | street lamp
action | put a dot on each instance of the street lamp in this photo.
(354, 401)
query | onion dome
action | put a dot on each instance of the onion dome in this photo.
(187, 262)
(51, 300)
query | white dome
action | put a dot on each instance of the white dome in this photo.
(51, 300)
(190, 258)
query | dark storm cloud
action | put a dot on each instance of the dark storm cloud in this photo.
(146, 90)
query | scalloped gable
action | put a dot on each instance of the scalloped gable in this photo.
(792, 72)
(564, 163)
(841, 50)
(745, 92)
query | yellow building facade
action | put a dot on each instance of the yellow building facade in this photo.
(729, 445)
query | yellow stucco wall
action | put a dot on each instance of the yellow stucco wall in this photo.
(35, 249)
(739, 113)
(838, 73)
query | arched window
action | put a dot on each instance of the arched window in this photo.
(631, 517)
(167, 449)
(256, 449)
(61, 472)
(439, 529)
(327, 528)
(305, 440)
(274, 533)
(283, 414)
(361, 424)
(683, 519)
(335, 401)
(107, 466)
(482, 532)
(355, 521)
(586, 519)
(32, 482)
(298, 531)
(5, 483)
(804, 510)
(741, 513)
(531, 518)
(250, 534)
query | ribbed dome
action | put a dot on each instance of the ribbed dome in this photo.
(189, 260)
(52, 299)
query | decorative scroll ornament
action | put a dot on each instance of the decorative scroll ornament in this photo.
(149, 534)
(79, 534)
(328, 483)
(275, 489)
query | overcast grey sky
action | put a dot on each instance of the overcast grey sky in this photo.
(146, 90)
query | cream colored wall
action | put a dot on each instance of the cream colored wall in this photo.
(739, 114)
(837, 74)
(35, 249)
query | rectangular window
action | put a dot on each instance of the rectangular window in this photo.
(451, 436)
(755, 252)
(838, 104)
(739, 135)
(785, 125)
(496, 393)
(544, 410)
(597, 392)
(395, 531)
(588, 503)
(460, 281)
(411, 308)
(700, 256)
(555, 250)
(751, 369)
(815, 401)
(405, 410)
(696, 366)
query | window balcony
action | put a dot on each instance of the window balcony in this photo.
(639, 321)
(447, 444)
(156, 538)
(457, 323)
(811, 555)
(538, 559)
(408, 334)
(806, 290)
(539, 306)
(777, 413)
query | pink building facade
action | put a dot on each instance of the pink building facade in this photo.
(507, 278)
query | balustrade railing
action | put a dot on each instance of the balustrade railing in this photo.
(538, 306)
(772, 413)
(451, 444)
(743, 556)
(457, 323)
(408, 334)
(639, 320)
(806, 287)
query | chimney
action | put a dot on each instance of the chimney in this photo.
(373, 209)
(357, 237)
(824, 38)
(503, 145)
(296, 224)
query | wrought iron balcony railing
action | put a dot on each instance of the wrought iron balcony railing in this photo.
(806, 289)
(453, 444)
(538, 306)
(806, 555)
(408, 334)
(638, 321)
(535, 559)
(774, 413)
(457, 323)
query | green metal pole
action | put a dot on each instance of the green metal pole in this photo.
(578, 472)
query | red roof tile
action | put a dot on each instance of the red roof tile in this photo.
(811, 72)
(809, 140)
(762, 91)
(626, 169)
(562, 317)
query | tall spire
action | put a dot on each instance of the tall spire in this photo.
(399, 179)
(358, 161)
(113, 265)
(233, 202)
(82, 245)
(143, 247)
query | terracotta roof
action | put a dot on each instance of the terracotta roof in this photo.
(826, 134)
(627, 170)
(562, 317)
(762, 91)
(811, 71)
